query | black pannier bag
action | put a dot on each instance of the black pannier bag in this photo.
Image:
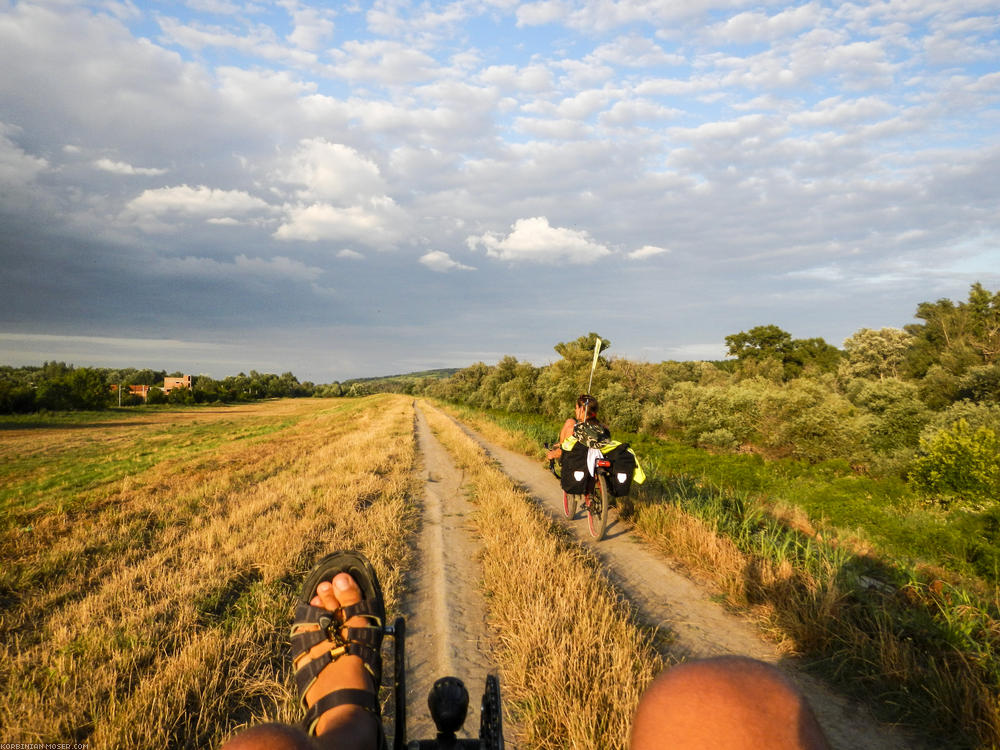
(573, 474)
(622, 469)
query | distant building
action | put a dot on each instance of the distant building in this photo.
(136, 390)
(170, 383)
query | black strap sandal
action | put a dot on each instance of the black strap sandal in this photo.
(364, 641)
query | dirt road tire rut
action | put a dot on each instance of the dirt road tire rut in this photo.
(445, 613)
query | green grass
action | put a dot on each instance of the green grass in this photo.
(882, 512)
(66, 474)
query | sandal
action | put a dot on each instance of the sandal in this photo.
(364, 641)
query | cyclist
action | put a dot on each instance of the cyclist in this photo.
(585, 426)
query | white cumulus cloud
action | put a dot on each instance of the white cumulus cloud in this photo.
(535, 241)
(373, 224)
(153, 209)
(441, 262)
(331, 172)
(647, 251)
(121, 167)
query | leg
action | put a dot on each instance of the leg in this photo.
(342, 727)
(726, 703)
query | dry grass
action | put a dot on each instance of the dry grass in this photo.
(156, 615)
(574, 660)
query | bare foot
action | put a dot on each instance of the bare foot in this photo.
(350, 726)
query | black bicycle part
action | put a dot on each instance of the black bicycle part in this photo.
(398, 633)
(491, 716)
(448, 702)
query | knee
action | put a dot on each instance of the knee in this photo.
(725, 702)
(273, 736)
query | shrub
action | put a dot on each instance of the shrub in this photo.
(981, 384)
(975, 415)
(809, 420)
(960, 461)
(721, 438)
(620, 409)
(156, 396)
(896, 414)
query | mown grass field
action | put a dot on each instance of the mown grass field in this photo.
(150, 561)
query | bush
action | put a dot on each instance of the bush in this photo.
(975, 415)
(16, 399)
(807, 419)
(156, 396)
(620, 409)
(721, 438)
(895, 413)
(961, 462)
(981, 384)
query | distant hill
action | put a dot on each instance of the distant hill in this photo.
(445, 372)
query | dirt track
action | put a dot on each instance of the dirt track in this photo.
(446, 600)
(445, 615)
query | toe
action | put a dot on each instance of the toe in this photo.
(346, 589)
(341, 592)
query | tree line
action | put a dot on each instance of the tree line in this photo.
(56, 386)
(922, 402)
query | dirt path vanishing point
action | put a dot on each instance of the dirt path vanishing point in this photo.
(661, 594)
(445, 613)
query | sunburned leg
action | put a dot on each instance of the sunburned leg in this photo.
(726, 703)
(342, 727)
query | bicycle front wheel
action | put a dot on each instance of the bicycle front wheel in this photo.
(569, 504)
(597, 508)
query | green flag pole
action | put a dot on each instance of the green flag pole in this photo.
(593, 365)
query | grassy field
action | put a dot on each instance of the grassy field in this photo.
(150, 560)
(920, 644)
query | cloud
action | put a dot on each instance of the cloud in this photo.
(527, 79)
(750, 27)
(123, 168)
(331, 172)
(635, 111)
(17, 167)
(442, 262)
(647, 251)
(382, 61)
(534, 241)
(636, 52)
(835, 111)
(540, 13)
(378, 224)
(350, 254)
(312, 28)
(153, 209)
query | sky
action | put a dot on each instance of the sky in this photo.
(371, 188)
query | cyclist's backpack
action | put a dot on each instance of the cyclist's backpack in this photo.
(623, 469)
(573, 470)
(592, 433)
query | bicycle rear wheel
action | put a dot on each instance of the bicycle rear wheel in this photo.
(569, 504)
(597, 508)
